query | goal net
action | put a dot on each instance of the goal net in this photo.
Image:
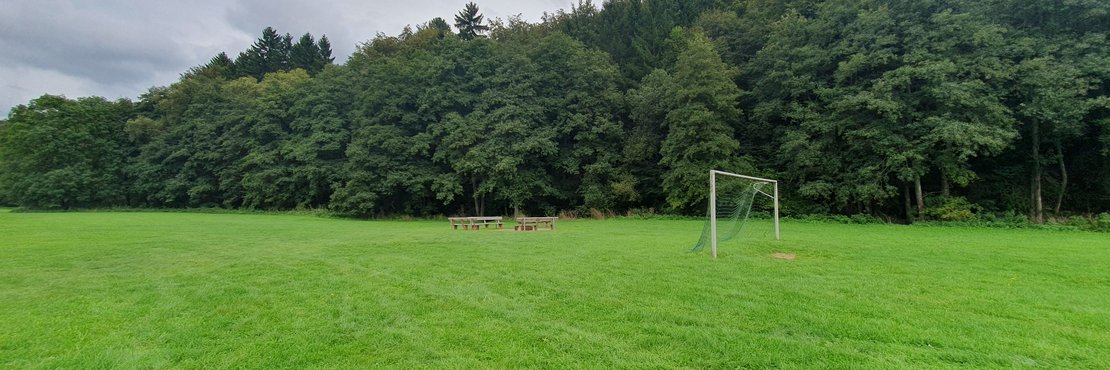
(730, 203)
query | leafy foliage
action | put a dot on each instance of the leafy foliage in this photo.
(911, 110)
(61, 153)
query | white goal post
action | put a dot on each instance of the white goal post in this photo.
(713, 203)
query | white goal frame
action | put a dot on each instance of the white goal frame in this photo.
(713, 203)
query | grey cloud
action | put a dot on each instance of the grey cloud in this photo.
(103, 45)
(120, 48)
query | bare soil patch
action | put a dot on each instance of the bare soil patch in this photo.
(784, 256)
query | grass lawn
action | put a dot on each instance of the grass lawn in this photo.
(190, 290)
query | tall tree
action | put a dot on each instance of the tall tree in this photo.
(220, 65)
(951, 106)
(440, 26)
(577, 89)
(270, 53)
(324, 46)
(305, 54)
(401, 93)
(181, 167)
(1051, 106)
(700, 124)
(469, 22)
(61, 153)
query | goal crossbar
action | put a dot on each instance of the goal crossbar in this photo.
(713, 203)
(711, 172)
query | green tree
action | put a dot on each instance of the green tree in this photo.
(1052, 103)
(951, 107)
(270, 53)
(324, 46)
(440, 26)
(265, 175)
(305, 54)
(469, 22)
(220, 65)
(61, 153)
(578, 90)
(700, 123)
(402, 91)
(495, 139)
(181, 166)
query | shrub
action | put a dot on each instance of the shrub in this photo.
(839, 219)
(952, 209)
(1102, 222)
(568, 215)
(644, 213)
(598, 214)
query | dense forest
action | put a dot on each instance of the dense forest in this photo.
(903, 109)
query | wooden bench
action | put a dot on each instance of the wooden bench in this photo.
(533, 223)
(487, 221)
(475, 223)
(460, 221)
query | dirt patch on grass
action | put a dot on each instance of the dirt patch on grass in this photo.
(784, 256)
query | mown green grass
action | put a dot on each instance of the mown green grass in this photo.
(186, 290)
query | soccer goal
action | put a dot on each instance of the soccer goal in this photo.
(730, 202)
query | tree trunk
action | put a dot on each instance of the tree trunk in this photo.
(1063, 178)
(920, 196)
(944, 187)
(1038, 204)
(909, 207)
(474, 189)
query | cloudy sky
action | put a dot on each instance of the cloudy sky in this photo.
(120, 48)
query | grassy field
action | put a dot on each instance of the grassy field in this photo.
(190, 290)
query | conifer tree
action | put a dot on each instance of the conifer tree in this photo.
(221, 60)
(305, 54)
(324, 48)
(219, 66)
(440, 26)
(469, 22)
(270, 53)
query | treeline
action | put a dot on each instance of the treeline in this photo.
(903, 109)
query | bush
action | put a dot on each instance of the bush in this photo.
(840, 219)
(952, 209)
(1008, 218)
(644, 213)
(1102, 222)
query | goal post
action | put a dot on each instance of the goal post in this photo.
(739, 207)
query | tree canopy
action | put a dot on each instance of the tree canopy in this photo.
(894, 108)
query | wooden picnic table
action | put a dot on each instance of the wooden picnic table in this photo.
(475, 223)
(533, 223)
(487, 221)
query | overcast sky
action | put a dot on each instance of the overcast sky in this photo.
(121, 48)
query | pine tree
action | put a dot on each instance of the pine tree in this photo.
(324, 48)
(270, 53)
(305, 54)
(440, 25)
(221, 60)
(219, 66)
(469, 22)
